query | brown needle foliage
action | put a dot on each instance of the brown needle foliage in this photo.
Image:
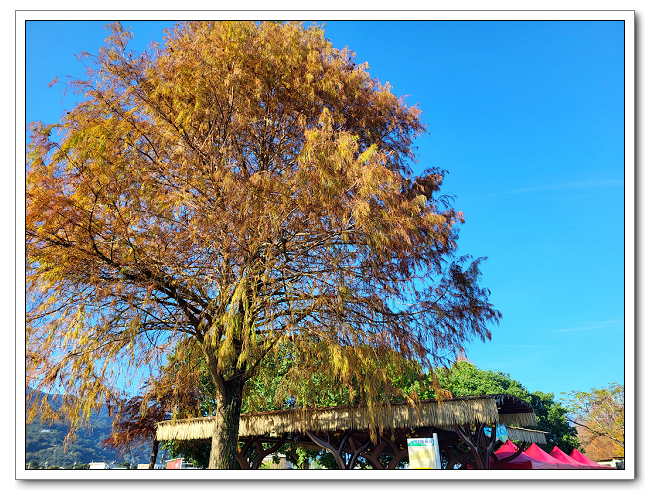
(600, 420)
(244, 185)
(134, 425)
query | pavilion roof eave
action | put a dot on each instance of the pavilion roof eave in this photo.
(440, 414)
(526, 435)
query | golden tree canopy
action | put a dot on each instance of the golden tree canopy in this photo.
(242, 185)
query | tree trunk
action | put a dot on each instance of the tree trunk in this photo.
(154, 454)
(226, 430)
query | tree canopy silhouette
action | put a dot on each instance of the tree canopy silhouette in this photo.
(600, 415)
(240, 186)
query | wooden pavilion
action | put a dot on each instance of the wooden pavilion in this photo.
(380, 437)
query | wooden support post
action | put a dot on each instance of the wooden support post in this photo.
(262, 453)
(455, 455)
(487, 444)
(329, 446)
(338, 449)
(241, 454)
(373, 457)
(465, 433)
(355, 451)
(479, 444)
(481, 447)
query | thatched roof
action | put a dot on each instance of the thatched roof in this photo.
(492, 409)
(527, 435)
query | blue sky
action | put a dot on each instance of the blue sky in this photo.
(527, 117)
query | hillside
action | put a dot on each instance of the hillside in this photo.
(44, 443)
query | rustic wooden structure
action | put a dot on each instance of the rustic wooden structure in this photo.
(377, 435)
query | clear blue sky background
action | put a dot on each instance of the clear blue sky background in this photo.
(527, 117)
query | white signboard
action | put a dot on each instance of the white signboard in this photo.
(424, 453)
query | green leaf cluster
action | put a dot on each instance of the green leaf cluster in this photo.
(463, 378)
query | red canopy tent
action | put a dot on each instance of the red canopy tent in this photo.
(576, 455)
(563, 457)
(523, 461)
(536, 458)
(537, 453)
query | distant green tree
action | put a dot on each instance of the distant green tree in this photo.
(463, 378)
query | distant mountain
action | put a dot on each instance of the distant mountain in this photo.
(44, 443)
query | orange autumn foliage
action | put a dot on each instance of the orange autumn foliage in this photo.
(243, 186)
